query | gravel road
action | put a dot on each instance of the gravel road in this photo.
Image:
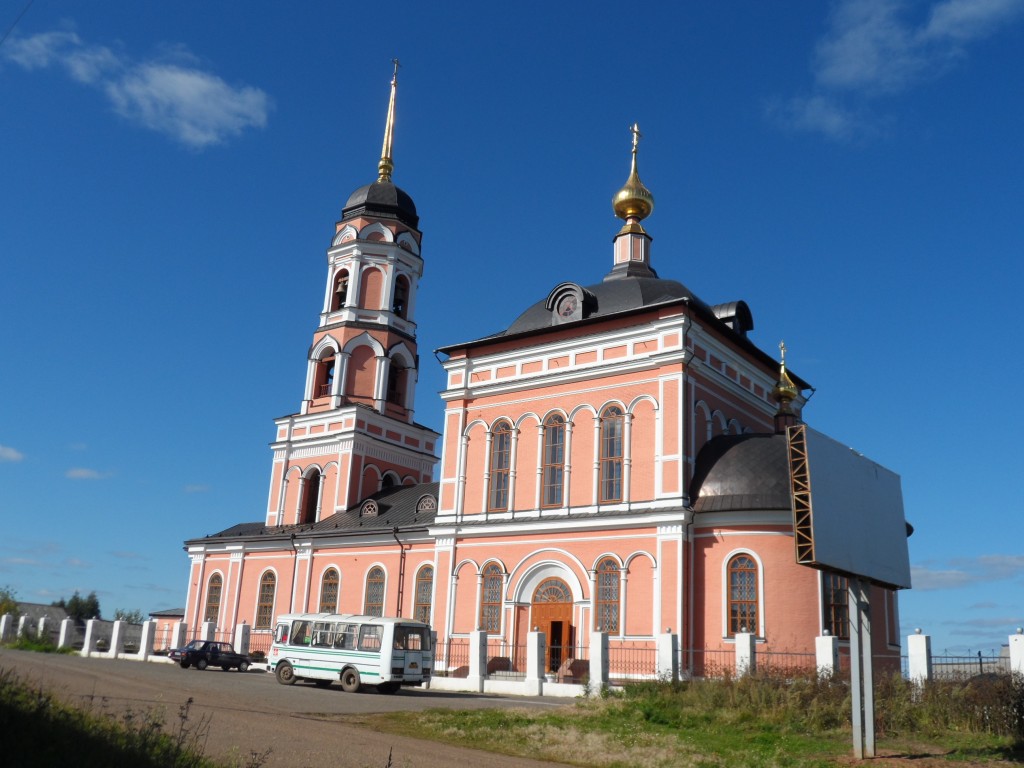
(249, 712)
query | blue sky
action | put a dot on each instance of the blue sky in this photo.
(170, 175)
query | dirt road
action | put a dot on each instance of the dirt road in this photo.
(249, 712)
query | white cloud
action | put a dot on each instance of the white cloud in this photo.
(815, 114)
(10, 454)
(81, 473)
(873, 49)
(964, 572)
(197, 488)
(176, 98)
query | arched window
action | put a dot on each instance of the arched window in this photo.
(213, 591)
(606, 606)
(611, 454)
(490, 599)
(424, 590)
(743, 604)
(310, 496)
(501, 457)
(324, 382)
(835, 596)
(396, 383)
(554, 460)
(400, 305)
(390, 480)
(265, 606)
(373, 605)
(340, 291)
(329, 591)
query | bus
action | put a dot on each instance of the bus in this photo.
(355, 650)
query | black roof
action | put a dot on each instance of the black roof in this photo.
(612, 296)
(383, 199)
(396, 508)
(742, 472)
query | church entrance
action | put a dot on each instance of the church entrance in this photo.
(551, 613)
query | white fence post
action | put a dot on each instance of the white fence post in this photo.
(177, 635)
(117, 638)
(241, 639)
(1017, 652)
(535, 644)
(477, 659)
(826, 654)
(599, 666)
(746, 650)
(67, 629)
(89, 645)
(147, 639)
(919, 657)
(6, 626)
(22, 626)
(668, 656)
(208, 630)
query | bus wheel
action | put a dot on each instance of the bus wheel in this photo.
(284, 673)
(350, 680)
(388, 687)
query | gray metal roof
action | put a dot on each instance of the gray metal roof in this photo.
(384, 199)
(742, 472)
(397, 507)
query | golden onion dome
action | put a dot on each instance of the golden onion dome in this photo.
(634, 201)
(785, 391)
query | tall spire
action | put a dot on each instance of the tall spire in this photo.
(784, 392)
(634, 201)
(386, 166)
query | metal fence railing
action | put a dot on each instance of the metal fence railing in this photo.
(630, 660)
(506, 660)
(955, 668)
(456, 657)
(786, 664)
(701, 663)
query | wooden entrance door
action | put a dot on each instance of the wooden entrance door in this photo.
(551, 613)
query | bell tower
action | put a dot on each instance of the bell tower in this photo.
(354, 433)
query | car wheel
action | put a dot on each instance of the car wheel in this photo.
(184, 664)
(284, 673)
(201, 664)
(243, 667)
(350, 680)
(225, 667)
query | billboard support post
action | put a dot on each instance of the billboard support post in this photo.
(861, 671)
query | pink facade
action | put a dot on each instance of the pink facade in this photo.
(588, 470)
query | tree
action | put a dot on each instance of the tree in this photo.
(134, 616)
(81, 608)
(8, 602)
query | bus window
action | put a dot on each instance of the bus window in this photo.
(369, 637)
(281, 634)
(411, 639)
(346, 637)
(300, 633)
(323, 634)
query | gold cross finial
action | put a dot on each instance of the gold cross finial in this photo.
(782, 350)
(394, 77)
(635, 130)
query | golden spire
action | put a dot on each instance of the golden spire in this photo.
(785, 391)
(634, 202)
(386, 166)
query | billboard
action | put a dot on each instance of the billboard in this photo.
(847, 510)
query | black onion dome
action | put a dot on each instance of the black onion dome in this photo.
(742, 472)
(610, 297)
(384, 199)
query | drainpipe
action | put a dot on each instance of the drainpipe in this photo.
(401, 569)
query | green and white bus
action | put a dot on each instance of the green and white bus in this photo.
(355, 650)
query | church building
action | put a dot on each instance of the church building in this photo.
(615, 460)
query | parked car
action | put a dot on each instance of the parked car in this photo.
(209, 653)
